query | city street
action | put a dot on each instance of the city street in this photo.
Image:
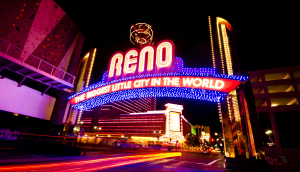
(146, 162)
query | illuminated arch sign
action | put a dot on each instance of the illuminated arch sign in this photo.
(154, 72)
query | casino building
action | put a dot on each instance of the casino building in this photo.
(143, 128)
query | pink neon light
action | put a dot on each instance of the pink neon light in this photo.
(135, 119)
(130, 126)
(133, 122)
(129, 129)
(142, 117)
(209, 83)
(145, 119)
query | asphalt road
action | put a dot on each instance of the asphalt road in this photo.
(184, 163)
(131, 162)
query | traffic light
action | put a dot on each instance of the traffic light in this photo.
(212, 140)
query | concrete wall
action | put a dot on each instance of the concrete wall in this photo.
(41, 28)
(24, 100)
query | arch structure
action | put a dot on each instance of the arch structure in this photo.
(160, 75)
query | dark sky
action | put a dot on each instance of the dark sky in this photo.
(266, 36)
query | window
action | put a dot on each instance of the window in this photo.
(277, 76)
(258, 90)
(284, 101)
(260, 102)
(255, 78)
(280, 88)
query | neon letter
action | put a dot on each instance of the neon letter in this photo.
(195, 84)
(169, 50)
(137, 83)
(217, 83)
(156, 81)
(113, 65)
(187, 81)
(205, 83)
(129, 61)
(150, 51)
(210, 84)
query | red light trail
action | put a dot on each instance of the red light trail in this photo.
(91, 165)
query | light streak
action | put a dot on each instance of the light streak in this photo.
(74, 166)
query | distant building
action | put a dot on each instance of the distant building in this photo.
(129, 106)
(145, 128)
(276, 95)
(202, 132)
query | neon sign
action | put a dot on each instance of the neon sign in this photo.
(123, 65)
(223, 85)
(154, 72)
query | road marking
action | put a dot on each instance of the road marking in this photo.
(162, 161)
(188, 161)
(214, 161)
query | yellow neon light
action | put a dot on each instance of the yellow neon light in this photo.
(220, 112)
(227, 50)
(150, 51)
(236, 109)
(228, 105)
(91, 68)
(86, 56)
(143, 137)
(117, 66)
(168, 60)
(130, 61)
(211, 43)
(220, 44)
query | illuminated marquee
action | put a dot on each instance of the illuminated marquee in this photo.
(154, 72)
(133, 62)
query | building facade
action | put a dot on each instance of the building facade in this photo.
(40, 48)
(162, 127)
(241, 129)
(276, 95)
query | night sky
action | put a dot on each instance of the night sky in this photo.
(266, 36)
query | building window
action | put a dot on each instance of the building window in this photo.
(280, 88)
(277, 76)
(258, 90)
(256, 78)
(284, 101)
(260, 102)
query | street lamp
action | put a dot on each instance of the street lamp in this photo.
(216, 134)
(271, 145)
(96, 128)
